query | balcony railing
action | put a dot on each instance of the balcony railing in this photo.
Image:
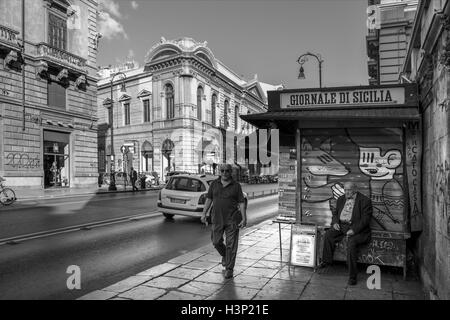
(61, 57)
(8, 37)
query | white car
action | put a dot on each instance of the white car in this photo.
(185, 195)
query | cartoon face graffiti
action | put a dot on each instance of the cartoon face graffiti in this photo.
(379, 167)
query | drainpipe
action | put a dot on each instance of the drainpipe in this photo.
(23, 65)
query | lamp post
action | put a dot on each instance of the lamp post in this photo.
(303, 58)
(112, 183)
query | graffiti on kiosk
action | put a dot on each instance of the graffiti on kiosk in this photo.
(22, 160)
(383, 244)
(374, 163)
(442, 186)
(386, 193)
(320, 164)
(372, 257)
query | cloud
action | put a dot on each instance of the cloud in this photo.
(110, 27)
(108, 19)
(111, 7)
(130, 54)
(134, 4)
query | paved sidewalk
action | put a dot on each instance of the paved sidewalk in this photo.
(259, 275)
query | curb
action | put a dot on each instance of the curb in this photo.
(251, 195)
(43, 197)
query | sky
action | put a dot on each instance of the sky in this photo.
(263, 37)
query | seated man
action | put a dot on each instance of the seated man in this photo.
(351, 219)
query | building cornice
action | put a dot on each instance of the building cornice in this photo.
(12, 101)
(139, 76)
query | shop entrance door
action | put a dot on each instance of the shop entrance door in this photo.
(56, 159)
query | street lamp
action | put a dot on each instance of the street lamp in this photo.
(303, 58)
(112, 183)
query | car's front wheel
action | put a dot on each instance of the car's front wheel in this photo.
(168, 215)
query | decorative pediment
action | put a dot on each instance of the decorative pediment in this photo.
(107, 102)
(62, 5)
(124, 97)
(144, 93)
(256, 90)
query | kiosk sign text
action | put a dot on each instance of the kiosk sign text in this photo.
(371, 96)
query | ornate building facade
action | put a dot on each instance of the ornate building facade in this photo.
(177, 110)
(48, 133)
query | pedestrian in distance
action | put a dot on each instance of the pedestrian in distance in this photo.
(228, 214)
(351, 220)
(133, 177)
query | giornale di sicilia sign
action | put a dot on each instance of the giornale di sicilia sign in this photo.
(340, 98)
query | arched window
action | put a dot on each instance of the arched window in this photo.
(199, 102)
(170, 104)
(213, 109)
(225, 114)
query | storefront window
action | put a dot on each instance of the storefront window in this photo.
(56, 159)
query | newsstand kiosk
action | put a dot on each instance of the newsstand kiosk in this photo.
(370, 135)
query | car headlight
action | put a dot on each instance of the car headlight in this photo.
(202, 199)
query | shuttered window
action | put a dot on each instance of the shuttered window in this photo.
(225, 114)
(213, 109)
(199, 102)
(170, 103)
(126, 112)
(146, 110)
(57, 32)
(56, 95)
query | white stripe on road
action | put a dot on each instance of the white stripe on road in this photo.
(90, 225)
(26, 203)
(102, 223)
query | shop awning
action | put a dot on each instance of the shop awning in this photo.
(367, 116)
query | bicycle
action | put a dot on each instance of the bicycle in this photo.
(7, 195)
